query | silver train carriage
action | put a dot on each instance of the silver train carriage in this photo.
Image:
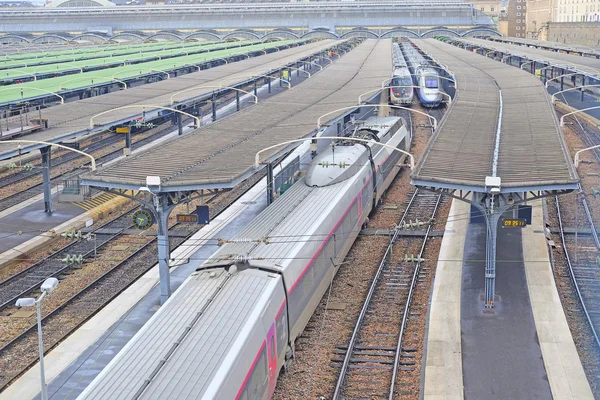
(231, 326)
(403, 92)
(426, 78)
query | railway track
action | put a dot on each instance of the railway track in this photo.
(581, 257)
(32, 277)
(83, 305)
(70, 315)
(370, 362)
(581, 252)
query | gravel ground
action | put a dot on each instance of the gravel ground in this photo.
(312, 375)
(11, 270)
(573, 215)
(578, 324)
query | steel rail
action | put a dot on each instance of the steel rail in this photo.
(572, 272)
(409, 302)
(91, 286)
(359, 323)
(59, 270)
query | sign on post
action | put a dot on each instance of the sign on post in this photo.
(187, 218)
(123, 129)
(513, 222)
(200, 216)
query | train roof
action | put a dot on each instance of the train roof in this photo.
(397, 57)
(180, 349)
(401, 71)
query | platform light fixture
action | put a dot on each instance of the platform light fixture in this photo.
(47, 287)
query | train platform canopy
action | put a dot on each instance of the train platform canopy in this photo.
(587, 65)
(500, 124)
(548, 45)
(72, 120)
(221, 155)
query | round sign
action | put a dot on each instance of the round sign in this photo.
(142, 219)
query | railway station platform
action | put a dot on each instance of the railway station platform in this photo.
(586, 65)
(224, 153)
(72, 120)
(501, 125)
(291, 114)
(74, 363)
(549, 45)
(21, 224)
(523, 349)
(16, 241)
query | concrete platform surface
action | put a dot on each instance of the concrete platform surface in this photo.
(443, 367)
(502, 358)
(563, 366)
(32, 221)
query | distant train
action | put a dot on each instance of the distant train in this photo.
(403, 92)
(231, 327)
(425, 77)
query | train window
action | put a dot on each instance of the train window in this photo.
(281, 327)
(258, 381)
(273, 350)
(431, 82)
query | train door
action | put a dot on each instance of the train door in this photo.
(272, 359)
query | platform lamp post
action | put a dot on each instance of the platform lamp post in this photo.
(47, 287)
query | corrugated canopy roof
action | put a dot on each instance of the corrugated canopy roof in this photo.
(222, 154)
(532, 152)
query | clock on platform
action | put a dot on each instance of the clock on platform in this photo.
(142, 219)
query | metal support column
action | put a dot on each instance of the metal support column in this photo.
(214, 107)
(280, 78)
(562, 80)
(533, 68)
(128, 139)
(179, 126)
(255, 88)
(269, 183)
(269, 83)
(237, 100)
(491, 221)
(582, 86)
(46, 166)
(162, 212)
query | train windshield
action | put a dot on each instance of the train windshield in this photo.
(431, 82)
(401, 82)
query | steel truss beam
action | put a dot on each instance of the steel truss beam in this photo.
(161, 204)
(492, 206)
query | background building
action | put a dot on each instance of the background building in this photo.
(489, 7)
(516, 14)
(539, 13)
(576, 10)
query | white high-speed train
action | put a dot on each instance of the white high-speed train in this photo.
(426, 77)
(402, 79)
(231, 326)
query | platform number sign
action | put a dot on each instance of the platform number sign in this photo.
(513, 222)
